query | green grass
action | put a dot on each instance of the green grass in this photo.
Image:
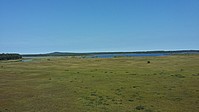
(166, 84)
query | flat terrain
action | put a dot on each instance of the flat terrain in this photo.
(61, 84)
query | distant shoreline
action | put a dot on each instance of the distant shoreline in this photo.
(98, 53)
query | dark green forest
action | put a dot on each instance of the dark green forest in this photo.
(10, 56)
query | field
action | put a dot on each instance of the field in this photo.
(133, 84)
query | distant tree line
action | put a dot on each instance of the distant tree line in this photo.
(10, 56)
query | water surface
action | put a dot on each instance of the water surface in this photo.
(127, 55)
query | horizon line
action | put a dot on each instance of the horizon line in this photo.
(100, 51)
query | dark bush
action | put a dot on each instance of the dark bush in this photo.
(179, 76)
(140, 107)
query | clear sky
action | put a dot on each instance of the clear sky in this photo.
(41, 26)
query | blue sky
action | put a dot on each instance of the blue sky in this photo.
(41, 26)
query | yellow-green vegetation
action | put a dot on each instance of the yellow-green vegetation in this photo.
(133, 84)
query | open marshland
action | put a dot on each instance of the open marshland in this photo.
(131, 84)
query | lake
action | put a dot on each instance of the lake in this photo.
(29, 59)
(26, 60)
(126, 55)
